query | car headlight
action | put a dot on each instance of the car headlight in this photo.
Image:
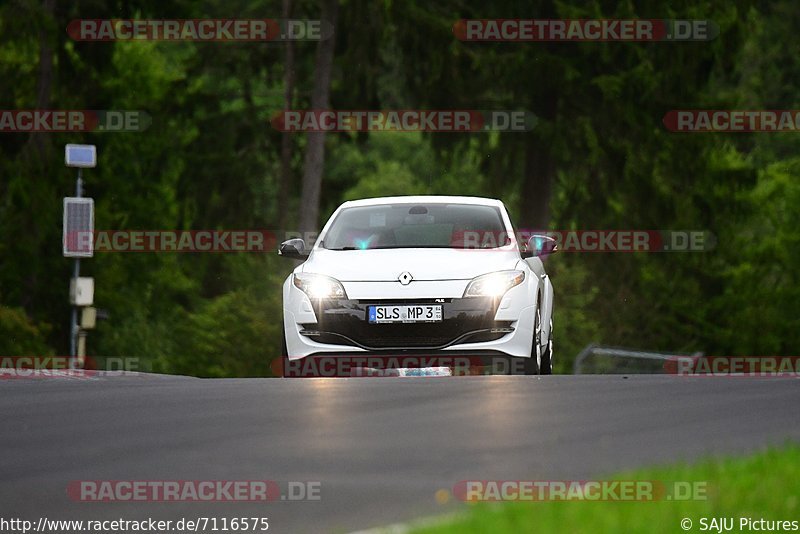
(317, 286)
(494, 284)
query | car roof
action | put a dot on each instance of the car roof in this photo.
(421, 199)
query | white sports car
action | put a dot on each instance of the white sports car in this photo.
(437, 275)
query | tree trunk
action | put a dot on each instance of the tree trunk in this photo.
(315, 145)
(540, 167)
(534, 213)
(285, 178)
(45, 81)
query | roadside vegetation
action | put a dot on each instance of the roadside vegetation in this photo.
(761, 486)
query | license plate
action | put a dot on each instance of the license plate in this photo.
(411, 313)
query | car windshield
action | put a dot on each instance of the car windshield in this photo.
(417, 226)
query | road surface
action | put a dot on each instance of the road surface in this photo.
(379, 447)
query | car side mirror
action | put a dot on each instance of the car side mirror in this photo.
(293, 248)
(540, 246)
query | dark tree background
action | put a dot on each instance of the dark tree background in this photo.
(598, 158)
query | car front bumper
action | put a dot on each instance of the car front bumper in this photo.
(502, 326)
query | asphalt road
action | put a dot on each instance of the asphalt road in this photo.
(380, 447)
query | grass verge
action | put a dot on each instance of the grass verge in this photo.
(765, 486)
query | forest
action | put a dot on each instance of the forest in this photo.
(601, 156)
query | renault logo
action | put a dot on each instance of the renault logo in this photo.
(405, 278)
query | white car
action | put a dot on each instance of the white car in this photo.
(436, 275)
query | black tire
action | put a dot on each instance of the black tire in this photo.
(547, 354)
(284, 356)
(284, 350)
(532, 363)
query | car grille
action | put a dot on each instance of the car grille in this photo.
(343, 322)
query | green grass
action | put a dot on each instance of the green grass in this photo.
(765, 485)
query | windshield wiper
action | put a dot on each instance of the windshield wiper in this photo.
(343, 248)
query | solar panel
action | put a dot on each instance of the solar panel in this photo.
(78, 227)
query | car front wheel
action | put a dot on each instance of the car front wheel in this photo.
(532, 364)
(546, 368)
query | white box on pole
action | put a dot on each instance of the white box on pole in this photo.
(81, 291)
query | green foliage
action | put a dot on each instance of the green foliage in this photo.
(395, 163)
(763, 485)
(574, 320)
(20, 337)
(237, 333)
(761, 282)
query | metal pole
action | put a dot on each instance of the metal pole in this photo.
(76, 272)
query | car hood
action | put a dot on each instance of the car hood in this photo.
(385, 265)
